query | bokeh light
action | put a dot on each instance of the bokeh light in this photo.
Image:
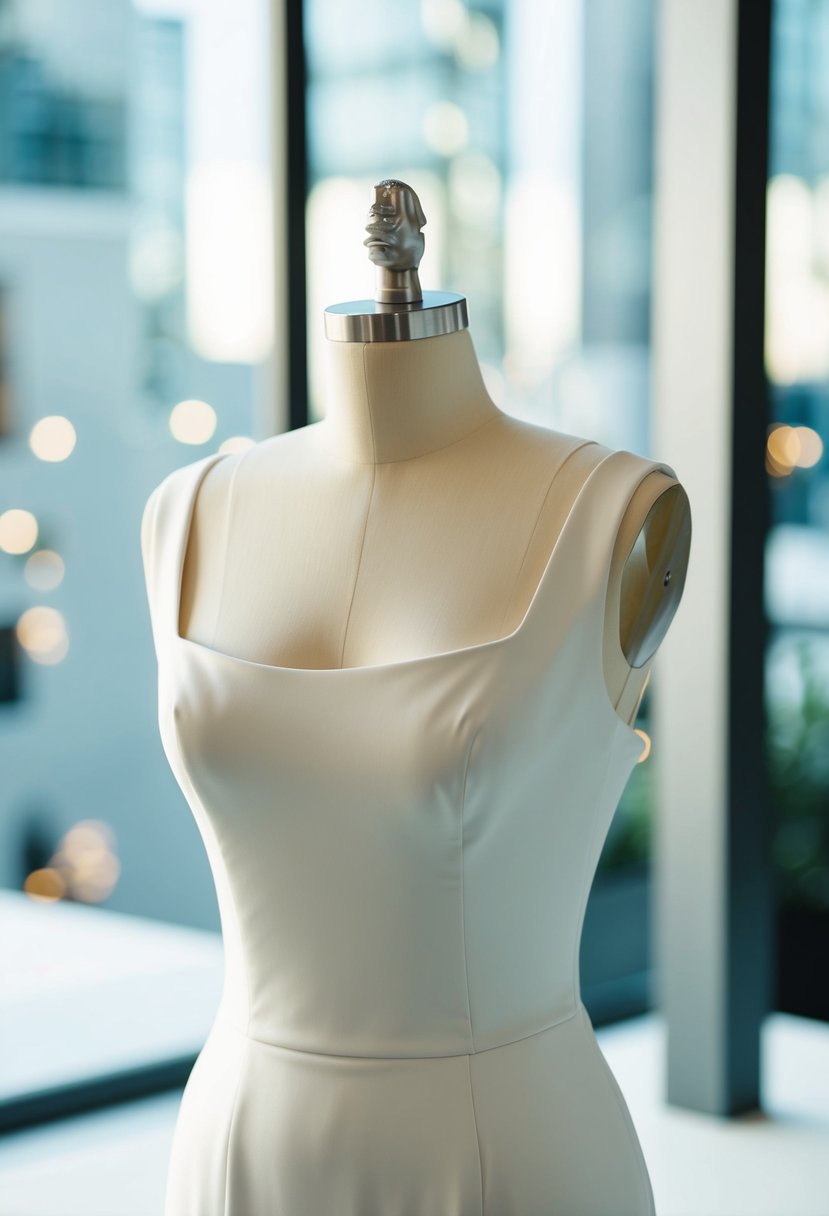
(790, 447)
(84, 867)
(445, 128)
(477, 45)
(44, 570)
(18, 530)
(811, 446)
(53, 438)
(193, 421)
(444, 22)
(45, 884)
(42, 633)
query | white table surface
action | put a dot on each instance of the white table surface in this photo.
(88, 993)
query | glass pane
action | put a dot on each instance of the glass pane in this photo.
(135, 319)
(797, 552)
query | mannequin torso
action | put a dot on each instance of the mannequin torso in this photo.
(416, 518)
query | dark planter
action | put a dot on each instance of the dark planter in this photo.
(803, 962)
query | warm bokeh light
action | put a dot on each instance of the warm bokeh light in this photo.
(84, 867)
(46, 884)
(445, 128)
(42, 633)
(236, 443)
(790, 447)
(87, 861)
(782, 450)
(776, 470)
(643, 734)
(18, 530)
(44, 570)
(192, 421)
(52, 438)
(93, 886)
(88, 837)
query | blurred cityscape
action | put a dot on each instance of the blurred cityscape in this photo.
(111, 375)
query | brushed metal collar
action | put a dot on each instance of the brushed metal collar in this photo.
(439, 312)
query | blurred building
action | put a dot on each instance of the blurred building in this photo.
(94, 328)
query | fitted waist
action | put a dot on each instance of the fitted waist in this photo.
(222, 1022)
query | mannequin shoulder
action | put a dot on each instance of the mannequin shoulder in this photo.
(658, 506)
(277, 459)
(658, 492)
(163, 497)
(651, 550)
(575, 455)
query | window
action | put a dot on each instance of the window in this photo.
(797, 551)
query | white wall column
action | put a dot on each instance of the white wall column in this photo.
(712, 910)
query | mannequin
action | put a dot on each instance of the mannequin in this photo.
(400, 651)
(317, 524)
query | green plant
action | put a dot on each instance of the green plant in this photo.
(798, 762)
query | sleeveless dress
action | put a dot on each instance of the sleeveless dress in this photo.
(402, 856)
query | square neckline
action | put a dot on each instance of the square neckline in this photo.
(475, 648)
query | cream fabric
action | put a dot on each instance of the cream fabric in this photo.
(402, 855)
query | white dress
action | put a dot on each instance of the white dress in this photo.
(402, 855)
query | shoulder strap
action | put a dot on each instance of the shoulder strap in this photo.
(625, 472)
(165, 526)
(575, 583)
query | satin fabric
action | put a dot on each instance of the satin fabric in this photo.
(402, 856)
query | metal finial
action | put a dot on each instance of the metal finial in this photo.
(400, 310)
(395, 242)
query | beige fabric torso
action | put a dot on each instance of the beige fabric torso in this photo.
(301, 556)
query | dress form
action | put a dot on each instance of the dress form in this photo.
(382, 692)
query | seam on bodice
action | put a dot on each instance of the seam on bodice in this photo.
(463, 901)
(233, 1110)
(356, 1055)
(477, 1134)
